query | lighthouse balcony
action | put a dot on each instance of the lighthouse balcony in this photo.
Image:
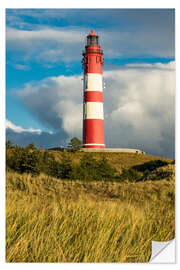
(92, 51)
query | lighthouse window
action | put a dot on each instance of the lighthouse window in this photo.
(97, 59)
(92, 40)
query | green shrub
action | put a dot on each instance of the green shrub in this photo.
(150, 166)
(105, 170)
(29, 162)
(66, 166)
(130, 175)
(90, 169)
(158, 174)
(87, 169)
(22, 160)
(9, 144)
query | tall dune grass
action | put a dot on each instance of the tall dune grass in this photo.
(50, 220)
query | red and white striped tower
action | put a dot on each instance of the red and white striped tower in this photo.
(93, 116)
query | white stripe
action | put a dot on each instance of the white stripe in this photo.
(93, 82)
(93, 110)
(93, 144)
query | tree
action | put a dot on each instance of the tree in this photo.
(9, 144)
(75, 144)
(29, 162)
(30, 146)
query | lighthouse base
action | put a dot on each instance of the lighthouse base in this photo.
(114, 150)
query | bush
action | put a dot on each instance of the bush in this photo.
(31, 160)
(150, 166)
(90, 169)
(9, 145)
(66, 166)
(49, 165)
(86, 170)
(130, 175)
(31, 146)
(158, 174)
(22, 160)
(105, 170)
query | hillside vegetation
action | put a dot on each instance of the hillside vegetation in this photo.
(52, 219)
(81, 166)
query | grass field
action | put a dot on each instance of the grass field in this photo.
(54, 220)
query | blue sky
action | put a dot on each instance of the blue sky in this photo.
(43, 57)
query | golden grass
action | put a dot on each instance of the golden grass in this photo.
(50, 220)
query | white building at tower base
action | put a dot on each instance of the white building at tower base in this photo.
(113, 150)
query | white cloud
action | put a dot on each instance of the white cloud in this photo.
(142, 107)
(19, 129)
(21, 67)
(43, 34)
(138, 106)
(48, 44)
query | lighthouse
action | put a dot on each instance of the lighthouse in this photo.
(93, 115)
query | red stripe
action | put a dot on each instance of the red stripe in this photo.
(93, 63)
(93, 96)
(93, 132)
(93, 66)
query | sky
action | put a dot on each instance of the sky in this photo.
(44, 76)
